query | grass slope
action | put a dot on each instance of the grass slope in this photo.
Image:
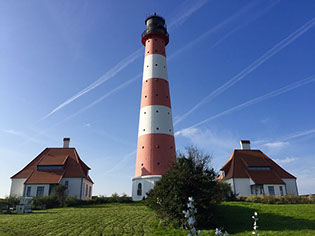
(136, 219)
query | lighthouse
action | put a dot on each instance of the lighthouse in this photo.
(156, 144)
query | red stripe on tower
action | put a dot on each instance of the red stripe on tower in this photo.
(156, 144)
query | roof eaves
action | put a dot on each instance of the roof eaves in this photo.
(29, 164)
(228, 161)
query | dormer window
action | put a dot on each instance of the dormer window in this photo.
(49, 167)
(259, 168)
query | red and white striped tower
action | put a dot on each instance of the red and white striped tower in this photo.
(156, 144)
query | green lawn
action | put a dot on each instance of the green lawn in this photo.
(136, 219)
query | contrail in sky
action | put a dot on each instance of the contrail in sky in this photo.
(185, 11)
(216, 28)
(279, 46)
(108, 75)
(256, 100)
(184, 15)
(212, 30)
(235, 29)
(285, 138)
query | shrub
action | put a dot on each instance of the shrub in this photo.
(13, 200)
(190, 176)
(45, 202)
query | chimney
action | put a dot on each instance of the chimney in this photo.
(245, 144)
(66, 142)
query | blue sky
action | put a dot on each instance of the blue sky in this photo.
(237, 70)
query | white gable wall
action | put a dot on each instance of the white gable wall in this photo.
(74, 186)
(291, 186)
(242, 186)
(17, 186)
(85, 191)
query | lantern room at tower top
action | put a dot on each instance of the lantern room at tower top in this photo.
(155, 25)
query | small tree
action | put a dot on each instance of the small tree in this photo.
(60, 193)
(190, 176)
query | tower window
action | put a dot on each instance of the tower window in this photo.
(157, 111)
(148, 41)
(164, 66)
(166, 96)
(145, 112)
(171, 147)
(157, 146)
(168, 113)
(141, 164)
(170, 130)
(147, 65)
(145, 96)
(157, 128)
(156, 95)
(155, 39)
(142, 147)
(143, 129)
(148, 51)
(155, 50)
(139, 190)
(155, 64)
(146, 81)
(158, 163)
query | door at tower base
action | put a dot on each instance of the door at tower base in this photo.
(143, 184)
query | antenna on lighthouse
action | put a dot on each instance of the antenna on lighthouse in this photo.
(156, 144)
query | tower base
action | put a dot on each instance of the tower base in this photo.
(143, 184)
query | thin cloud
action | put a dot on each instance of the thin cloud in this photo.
(260, 99)
(22, 135)
(286, 160)
(276, 145)
(279, 46)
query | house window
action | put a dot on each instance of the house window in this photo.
(66, 184)
(40, 191)
(281, 190)
(86, 190)
(271, 190)
(90, 191)
(139, 190)
(28, 191)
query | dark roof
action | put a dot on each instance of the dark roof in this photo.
(73, 166)
(240, 160)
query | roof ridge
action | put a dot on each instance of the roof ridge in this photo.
(78, 158)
